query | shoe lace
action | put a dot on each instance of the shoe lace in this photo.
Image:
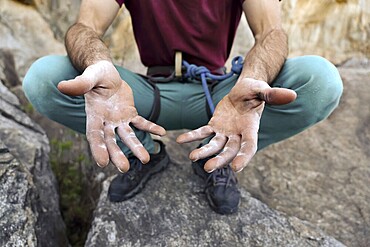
(222, 176)
(135, 167)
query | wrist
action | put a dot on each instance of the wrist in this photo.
(236, 94)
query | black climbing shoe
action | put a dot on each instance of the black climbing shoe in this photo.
(221, 187)
(126, 185)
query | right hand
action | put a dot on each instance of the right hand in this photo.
(110, 107)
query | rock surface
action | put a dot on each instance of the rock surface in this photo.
(335, 29)
(172, 211)
(29, 202)
(322, 175)
(26, 34)
(33, 28)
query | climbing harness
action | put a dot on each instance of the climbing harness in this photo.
(183, 71)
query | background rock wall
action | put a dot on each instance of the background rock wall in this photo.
(29, 200)
(335, 29)
(326, 183)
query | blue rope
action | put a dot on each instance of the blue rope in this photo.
(202, 73)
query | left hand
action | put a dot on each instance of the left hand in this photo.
(235, 124)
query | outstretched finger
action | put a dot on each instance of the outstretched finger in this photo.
(231, 149)
(143, 124)
(247, 151)
(214, 146)
(77, 86)
(95, 138)
(128, 137)
(195, 135)
(277, 96)
(115, 153)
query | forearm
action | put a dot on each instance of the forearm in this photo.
(84, 46)
(264, 61)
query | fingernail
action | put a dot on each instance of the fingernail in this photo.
(144, 162)
(120, 170)
(192, 158)
(211, 170)
(241, 169)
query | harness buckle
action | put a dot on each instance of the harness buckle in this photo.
(178, 64)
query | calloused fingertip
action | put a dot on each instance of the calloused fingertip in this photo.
(237, 169)
(145, 159)
(193, 159)
(60, 86)
(122, 170)
(211, 170)
(295, 95)
(102, 164)
(65, 89)
(237, 164)
(179, 139)
(162, 133)
(192, 156)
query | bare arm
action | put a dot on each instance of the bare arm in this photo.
(83, 39)
(236, 120)
(109, 102)
(264, 61)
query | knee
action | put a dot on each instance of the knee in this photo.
(322, 89)
(37, 82)
(40, 81)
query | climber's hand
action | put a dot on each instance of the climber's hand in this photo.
(235, 124)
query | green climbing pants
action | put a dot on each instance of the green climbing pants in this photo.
(183, 105)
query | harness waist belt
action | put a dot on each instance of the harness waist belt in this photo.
(165, 71)
(191, 71)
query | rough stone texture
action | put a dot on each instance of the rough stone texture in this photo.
(335, 29)
(19, 48)
(29, 203)
(60, 15)
(16, 217)
(322, 175)
(8, 73)
(312, 26)
(25, 34)
(325, 183)
(172, 211)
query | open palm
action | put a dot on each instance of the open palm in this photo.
(109, 109)
(235, 124)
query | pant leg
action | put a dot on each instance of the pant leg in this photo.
(40, 87)
(183, 105)
(318, 86)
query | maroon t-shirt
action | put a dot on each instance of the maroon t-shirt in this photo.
(203, 30)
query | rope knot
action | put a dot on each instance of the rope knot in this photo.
(237, 65)
(201, 72)
(194, 72)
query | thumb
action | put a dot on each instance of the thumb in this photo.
(77, 86)
(277, 96)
